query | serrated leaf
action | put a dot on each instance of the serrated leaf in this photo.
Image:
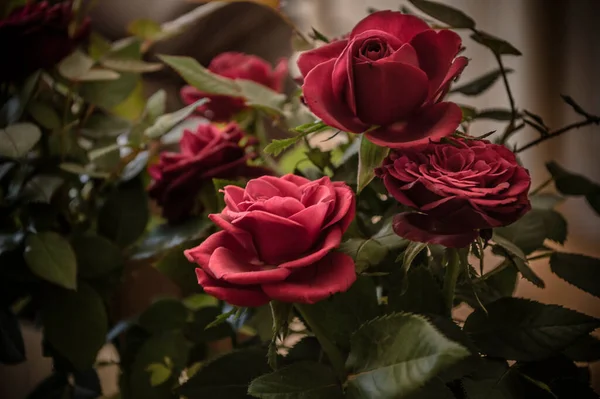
(521, 329)
(392, 356)
(75, 323)
(449, 15)
(260, 96)
(130, 65)
(365, 252)
(569, 183)
(418, 281)
(480, 84)
(276, 147)
(201, 78)
(579, 270)
(51, 257)
(298, 381)
(165, 123)
(529, 232)
(370, 156)
(18, 139)
(517, 256)
(44, 114)
(497, 45)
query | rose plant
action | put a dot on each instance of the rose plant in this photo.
(287, 269)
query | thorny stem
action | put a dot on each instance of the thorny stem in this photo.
(558, 132)
(513, 110)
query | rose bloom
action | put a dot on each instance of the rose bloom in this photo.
(459, 187)
(36, 36)
(235, 66)
(209, 152)
(392, 73)
(277, 242)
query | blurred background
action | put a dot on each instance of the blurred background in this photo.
(559, 41)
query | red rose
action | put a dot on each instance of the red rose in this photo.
(391, 72)
(36, 36)
(235, 66)
(459, 187)
(208, 153)
(277, 242)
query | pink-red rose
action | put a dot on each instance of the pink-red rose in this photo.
(458, 188)
(209, 152)
(277, 242)
(36, 36)
(235, 66)
(392, 72)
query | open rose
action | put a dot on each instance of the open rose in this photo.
(458, 187)
(235, 66)
(36, 36)
(277, 241)
(209, 152)
(391, 72)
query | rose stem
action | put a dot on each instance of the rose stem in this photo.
(551, 135)
(332, 351)
(451, 277)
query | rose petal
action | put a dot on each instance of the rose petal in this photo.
(332, 240)
(387, 91)
(455, 70)
(242, 237)
(332, 274)
(322, 101)
(277, 239)
(202, 253)
(312, 218)
(279, 74)
(422, 228)
(246, 296)
(297, 180)
(286, 207)
(430, 123)
(308, 60)
(402, 26)
(226, 264)
(345, 207)
(233, 196)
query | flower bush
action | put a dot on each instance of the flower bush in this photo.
(292, 271)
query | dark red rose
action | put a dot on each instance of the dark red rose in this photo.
(392, 72)
(36, 36)
(458, 188)
(235, 66)
(209, 152)
(277, 242)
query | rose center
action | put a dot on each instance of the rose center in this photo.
(373, 50)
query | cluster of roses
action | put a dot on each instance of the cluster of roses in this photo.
(278, 235)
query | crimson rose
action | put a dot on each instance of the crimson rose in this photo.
(235, 66)
(36, 36)
(458, 187)
(277, 241)
(391, 72)
(207, 153)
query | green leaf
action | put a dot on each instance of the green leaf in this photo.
(159, 373)
(199, 301)
(130, 65)
(99, 74)
(529, 232)
(392, 356)
(576, 107)
(220, 184)
(321, 159)
(497, 45)
(156, 105)
(12, 347)
(519, 260)
(109, 94)
(579, 270)
(495, 114)
(146, 29)
(98, 46)
(410, 254)
(44, 114)
(316, 35)
(124, 215)
(164, 315)
(41, 188)
(418, 281)
(109, 151)
(341, 314)
(569, 183)
(227, 376)
(366, 253)
(201, 78)
(166, 122)
(75, 65)
(179, 270)
(12, 110)
(18, 139)
(276, 147)
(448, 15)
(166, 236)
(259, 96)
(370, 157)
(75, 324)
(170, 345)
(481, 84)
(585, 349)
(545, 201)
(298, 381)
(100, 125)
(521, 329)
(82, 170)
(51, 257)
(96, 256)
